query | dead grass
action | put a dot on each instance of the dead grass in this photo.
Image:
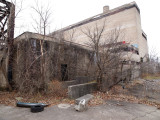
(57, 96)
(10, 98)
(122, 96)
(55, 87)
(151, 76)
(119, 94)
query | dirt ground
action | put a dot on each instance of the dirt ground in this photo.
(134, 100)
(143, 89)
(138, 91)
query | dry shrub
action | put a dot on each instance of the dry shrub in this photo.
(55, 88)
(135, 82)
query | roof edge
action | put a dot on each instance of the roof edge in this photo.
(30, 35)
(101, 15)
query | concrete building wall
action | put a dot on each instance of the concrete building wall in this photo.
(141, 40)
(125, 20)
(27, 52)
(79, 61)
(126, 17)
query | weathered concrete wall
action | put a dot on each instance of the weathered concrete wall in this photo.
(141, 38)
(27, 50)
(125, 17)
(126, 20)
(79, 90)
(79, 62)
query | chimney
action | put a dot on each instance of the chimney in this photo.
(105, 9)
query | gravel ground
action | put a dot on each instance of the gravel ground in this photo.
(148, 89)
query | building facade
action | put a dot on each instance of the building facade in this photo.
(67, 52)
(125, 18)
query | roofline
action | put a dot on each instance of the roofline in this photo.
(30, 35)
(99, 16)
(27, 35)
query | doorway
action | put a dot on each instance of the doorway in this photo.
(64, 73)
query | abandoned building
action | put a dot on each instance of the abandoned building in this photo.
(126, 18)
(66, 53)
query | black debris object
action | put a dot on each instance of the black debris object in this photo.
(38, 108)
(21, 104)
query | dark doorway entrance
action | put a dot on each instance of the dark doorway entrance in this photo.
(64, 73)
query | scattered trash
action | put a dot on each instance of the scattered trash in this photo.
(35, 107)
(64, 106)
(38, 108)
(21, 104)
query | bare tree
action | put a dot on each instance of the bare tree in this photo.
(42, 22)
(150, 63)
(32, 74)
(41, 27)
(106, 50)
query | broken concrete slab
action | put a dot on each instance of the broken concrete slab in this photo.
(82, 106)
(87, 98)
(78, 80)
(79, 90)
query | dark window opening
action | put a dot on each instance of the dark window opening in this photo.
(124, 62)
(46, 45)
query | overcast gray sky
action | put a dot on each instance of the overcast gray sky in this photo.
(66, 12)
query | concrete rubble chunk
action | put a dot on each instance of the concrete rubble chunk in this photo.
(87, 98)
(82, 106)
